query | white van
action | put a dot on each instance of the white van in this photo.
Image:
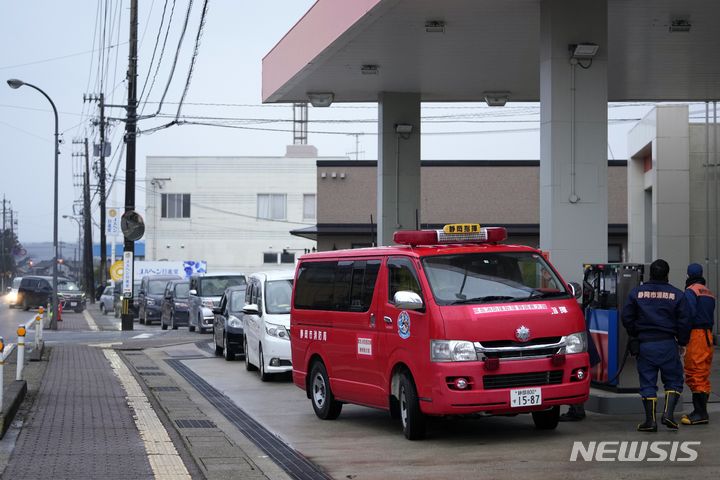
(266, 322)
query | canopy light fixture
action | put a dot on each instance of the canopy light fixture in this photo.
(680, 25)
(321, 99)
(403, 128)
(583, 50)
(496, 99)
(369, 69)
(435, 26)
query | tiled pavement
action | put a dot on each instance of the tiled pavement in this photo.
(81, 426)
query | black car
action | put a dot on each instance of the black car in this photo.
(152, 292)
(175, 309)
(36, 291)
(228, 333)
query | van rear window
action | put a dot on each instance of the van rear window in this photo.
(346, 286)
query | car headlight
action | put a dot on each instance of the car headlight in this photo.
(181, 305)
(277, 331)
(208, 303)
(150, 301)
(235, 322)
(576, 343)
(452, 351)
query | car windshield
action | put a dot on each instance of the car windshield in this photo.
(277, 296)
(237, 300)
(181, 290)
(497, 277)
(215, 286)
(67, 286)
(157, 287)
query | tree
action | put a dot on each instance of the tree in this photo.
(9, 246)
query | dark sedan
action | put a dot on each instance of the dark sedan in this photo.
(175, 307)
(152, 291)
(228, 331)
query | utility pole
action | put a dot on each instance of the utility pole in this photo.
(2, 251)
(130, 134)
(103, 240)
(87, 220)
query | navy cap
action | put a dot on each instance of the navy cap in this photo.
(695, 270)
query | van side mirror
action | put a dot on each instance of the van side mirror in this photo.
(575, 289)
(407, 300)
(217, 311)
(193, 292)
(251, 309)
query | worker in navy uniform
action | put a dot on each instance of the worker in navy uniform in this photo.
(656, 314)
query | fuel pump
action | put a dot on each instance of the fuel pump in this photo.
(606, 287)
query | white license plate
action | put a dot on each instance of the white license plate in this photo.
(525, 397)
(73, 304)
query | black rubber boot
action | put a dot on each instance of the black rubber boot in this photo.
(574, 414)
(650, 425)
(699, 415)
(671, 401)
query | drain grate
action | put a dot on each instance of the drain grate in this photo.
(166, 389)
(147, 368)
(195, 423)
(148, 374)
(293, 462)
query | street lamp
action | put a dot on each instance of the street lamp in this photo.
(15, 83)
(77, 251)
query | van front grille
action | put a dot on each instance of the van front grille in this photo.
(512, 380)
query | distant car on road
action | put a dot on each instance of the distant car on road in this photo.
(266, 323)
(107, 300)
(228, 331)
(175, 306)
(152, 291)
(205, 293)
(70, 295)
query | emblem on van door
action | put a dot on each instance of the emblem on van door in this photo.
(522, 333)
(403, 323)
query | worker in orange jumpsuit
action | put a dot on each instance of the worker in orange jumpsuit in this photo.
(699, 352)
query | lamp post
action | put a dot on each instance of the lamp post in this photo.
(77, 251)
(15, 83)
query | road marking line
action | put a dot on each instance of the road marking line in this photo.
(162, 455)
(144, 335)
(91, 321)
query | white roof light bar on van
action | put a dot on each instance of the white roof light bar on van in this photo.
(451, 233)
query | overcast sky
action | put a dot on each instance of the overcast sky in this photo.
(57, 46)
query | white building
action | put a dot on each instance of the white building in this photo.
(233, 212)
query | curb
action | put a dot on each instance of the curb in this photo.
(14, 395)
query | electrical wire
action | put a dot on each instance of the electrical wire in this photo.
(201, 26)
(154, 52)
(177, 54)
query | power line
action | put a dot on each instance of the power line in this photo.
(157, 43)
(201, 25)
(177, 54)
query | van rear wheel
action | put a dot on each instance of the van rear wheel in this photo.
(547, 419)
(412, 418)
(321, 396)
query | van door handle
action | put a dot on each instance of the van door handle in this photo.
(388, 320)
(372, 320)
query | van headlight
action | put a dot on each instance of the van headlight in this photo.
(452, 351)
(277, 331)
(234, 322)
(150, 301)
(576, 343)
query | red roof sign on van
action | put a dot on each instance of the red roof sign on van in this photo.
(452, 233)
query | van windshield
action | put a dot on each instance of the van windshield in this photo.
(277, 296)
(497, 277)
(215, 286)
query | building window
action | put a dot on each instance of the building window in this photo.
(309, 206)
(175, 205)
(272, 206)
(614, 253)
(270, 257)
(287, 257)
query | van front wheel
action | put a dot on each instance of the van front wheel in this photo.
(547, 419)
(412, 418)
(321, 396)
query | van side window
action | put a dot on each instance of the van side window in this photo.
(344, 286)
(363, 284)
(401, 277)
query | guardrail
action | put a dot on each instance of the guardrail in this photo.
(7, 350)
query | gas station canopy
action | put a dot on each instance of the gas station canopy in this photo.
(455, 50)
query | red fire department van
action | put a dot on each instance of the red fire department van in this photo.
(450, 322)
